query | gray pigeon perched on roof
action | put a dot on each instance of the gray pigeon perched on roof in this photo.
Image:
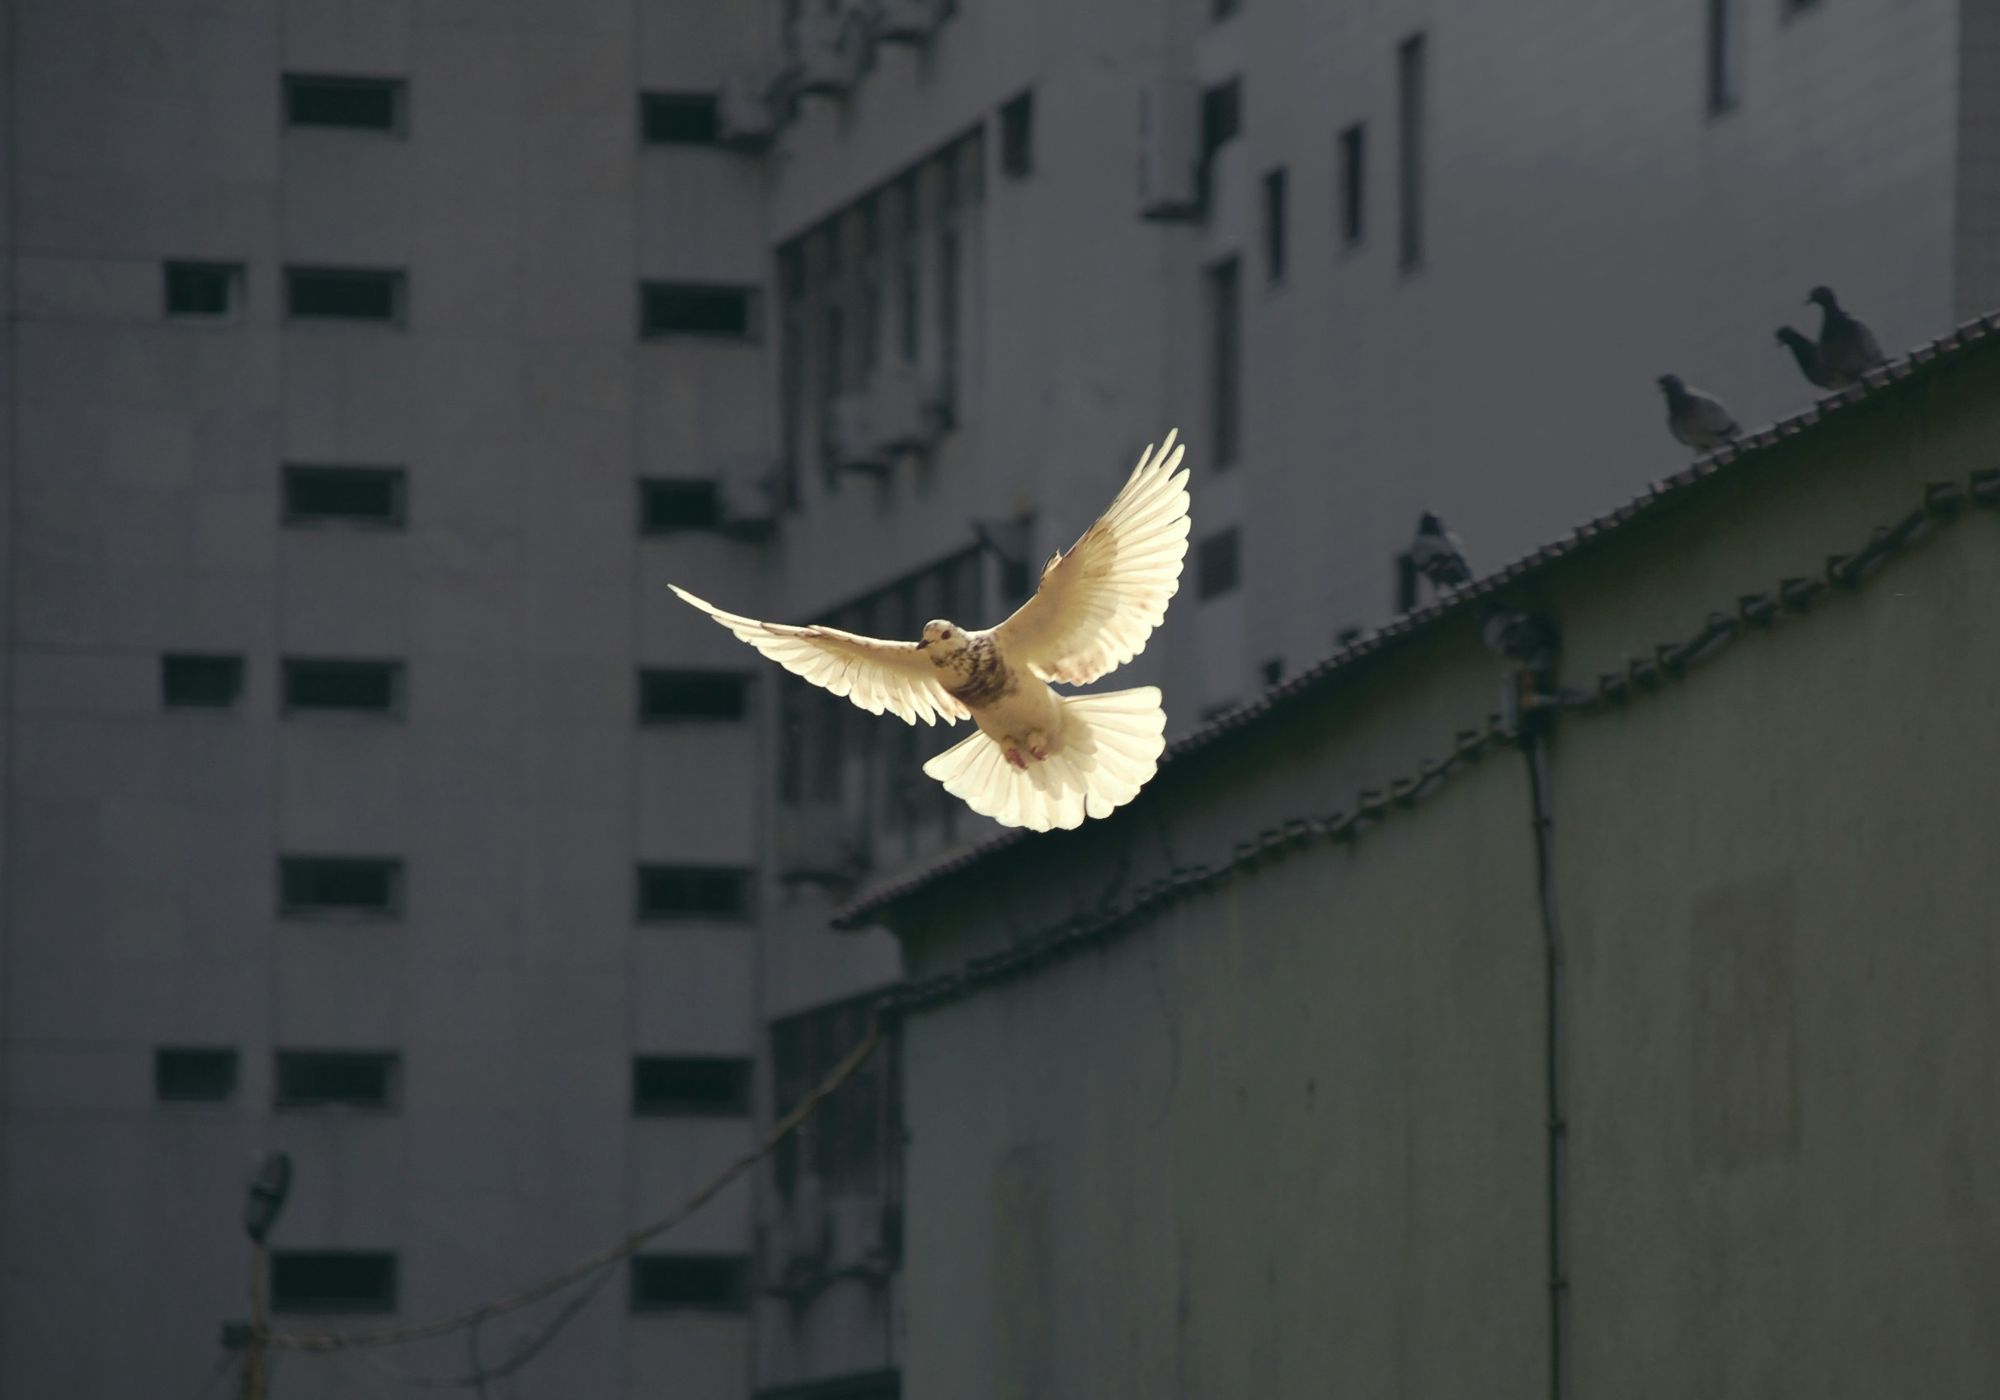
(1847, 348)
(1695, 418)
(1806, 351)
(1437, 554)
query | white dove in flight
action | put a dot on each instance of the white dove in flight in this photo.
(1040, 759)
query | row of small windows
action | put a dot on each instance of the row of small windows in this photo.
(366, 1281)
(378, 498)
(1222, 122)
(215, 289)
(354, 103)
(213, 681)
(304, 1078)
(380, 296)
(209, 681)
(663, 1086)
(373, 887)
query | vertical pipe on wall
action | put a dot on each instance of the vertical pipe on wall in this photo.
(1534, 747)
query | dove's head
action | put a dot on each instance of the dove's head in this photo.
(1428, 524)
(1822, 297)
(1672, 383)
(943, 640)
(1794, 338)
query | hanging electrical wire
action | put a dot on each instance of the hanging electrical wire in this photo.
(603, 1258)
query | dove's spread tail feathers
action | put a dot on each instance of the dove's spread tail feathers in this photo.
(1111, 745)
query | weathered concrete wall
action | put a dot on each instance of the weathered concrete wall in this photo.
(1288, 1136)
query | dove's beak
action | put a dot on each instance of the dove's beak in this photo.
(924, 643)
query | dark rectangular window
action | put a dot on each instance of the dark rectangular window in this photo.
(1017, 136)
(1218, 566)
(1221, 116)
(369, 886)
(711, 1282)
(792, 712)
(344, 496)
(332, 1281)
(1225, 369)
(832, 371)
(909, 295)
(354, 104)
(202, 288)
(678, 119)
(667, 506)
(947, 305)
(669, 696)
(329, 1078)
(681, 1086)
(1274, 225)
(191, 1075)
(343, 686)
(868, 298)
(1410, 100)
(791, 366)
(1722, 56)
(1354, 184)
(197, 682)
(344, 294)
(688, 308)
(693, 892)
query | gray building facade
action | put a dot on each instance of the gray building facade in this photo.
(340, 819)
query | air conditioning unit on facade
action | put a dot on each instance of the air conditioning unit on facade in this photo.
(747, 495)
(819, 844)
(745, 114)
(852, 439)
(1170, 149)
(831, 48)
(897, 420)
(938, 395)
(855, 1234)
(807, 1232)
(906, 21)
(793, 1262)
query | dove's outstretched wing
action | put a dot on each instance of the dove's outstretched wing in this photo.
(1098, 604)
(877, 675)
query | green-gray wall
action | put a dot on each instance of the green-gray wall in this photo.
(1288, 1136)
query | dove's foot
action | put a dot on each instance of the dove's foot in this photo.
(1014, 756)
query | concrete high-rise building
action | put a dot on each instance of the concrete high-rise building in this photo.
(361, 360)
(372, 365)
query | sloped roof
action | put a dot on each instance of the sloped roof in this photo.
(1888, 378)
